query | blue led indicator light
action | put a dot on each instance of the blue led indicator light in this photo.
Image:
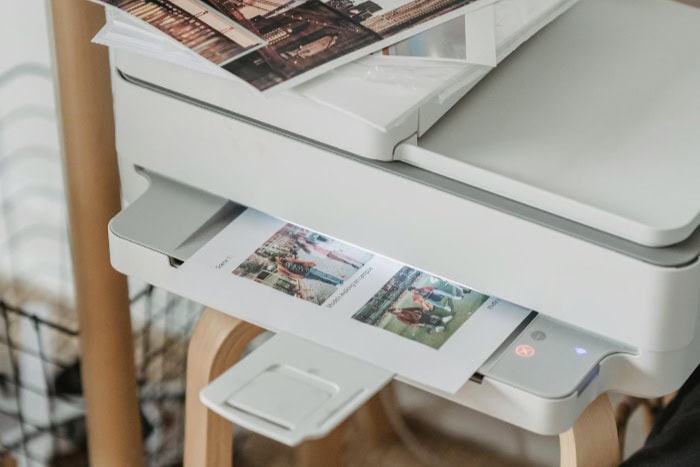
(580, 351)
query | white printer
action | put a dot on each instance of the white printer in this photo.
(565, 182)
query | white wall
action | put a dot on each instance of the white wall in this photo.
(34, 256)
(33, 245)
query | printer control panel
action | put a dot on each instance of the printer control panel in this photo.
(551, 359)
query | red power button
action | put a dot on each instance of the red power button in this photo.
(525, 351)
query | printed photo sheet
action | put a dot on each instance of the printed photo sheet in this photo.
(290, 279)
(282, 43)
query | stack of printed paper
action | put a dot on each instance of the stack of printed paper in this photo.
(269, 43)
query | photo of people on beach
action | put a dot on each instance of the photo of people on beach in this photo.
(303, 263)
(420, 307)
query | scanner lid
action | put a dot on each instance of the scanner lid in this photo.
(596, 120)
(366, 107)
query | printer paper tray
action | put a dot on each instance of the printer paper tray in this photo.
(286, 278)
(291, 389)
(152, 241)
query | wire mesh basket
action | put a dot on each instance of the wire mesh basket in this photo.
(42, 415)
(41, 408)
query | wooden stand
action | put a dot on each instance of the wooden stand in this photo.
(109, 378)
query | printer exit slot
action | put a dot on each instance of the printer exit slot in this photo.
(174, 219)
(477, 378)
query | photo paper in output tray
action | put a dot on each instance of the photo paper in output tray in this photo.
(289, 279)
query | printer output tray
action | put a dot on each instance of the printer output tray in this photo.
(543, 360)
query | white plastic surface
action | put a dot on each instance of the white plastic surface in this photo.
(596, 120)
(382, 90)
(283, 395)
(291, 389)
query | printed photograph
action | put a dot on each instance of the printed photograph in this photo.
(304, 35)
(300, 36)
(420, 307)
(211, 35)
(268, 42)
(303, 263)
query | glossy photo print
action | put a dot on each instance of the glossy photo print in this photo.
(293, 280)
(420, 307)
(303, 263)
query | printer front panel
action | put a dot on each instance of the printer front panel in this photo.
(369, 204)
(648, 374)
(513, 386)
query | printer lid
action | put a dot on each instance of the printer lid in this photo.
(596, 119)
(377, 101)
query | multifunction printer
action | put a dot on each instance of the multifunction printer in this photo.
(563, 180)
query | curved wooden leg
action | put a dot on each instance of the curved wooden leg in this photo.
(592, 441)
(217, 343)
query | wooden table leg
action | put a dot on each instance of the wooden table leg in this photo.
(217, 343)
(592, 441)
(109, 378)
